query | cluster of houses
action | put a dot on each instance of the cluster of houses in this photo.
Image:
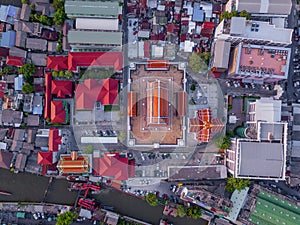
(164, 28)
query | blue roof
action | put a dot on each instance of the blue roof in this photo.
(198, 14)
(8, 39)
(37, 110)
(8, 13)
(18, 83)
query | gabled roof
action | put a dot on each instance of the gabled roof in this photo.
(5, 159)
(25, 12)
(58, 113)
(62, 88)
(15, 61)
(112, 165)
(205, 126)
(92, 91)
(67, 165)
(48, 97)
(54, 140)
(57, 62)
(45, 158)
(8, 38)
(95, 59)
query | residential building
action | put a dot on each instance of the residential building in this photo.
(28, 103)
(9, 13)
(8, 39)
(38, 59)
(55, 140)
(159, 104)
(92, 9)
(265, 145)
(37, 105)
(15, 61)
(32, 120)
(270, 8)
(259, 63)
(113, 165)
(36, 44)
(20, 162)
(25, 12)
(18, 84)
(52, 46)
(5, 159)
(20, 39)
(239, 29)
(221, 53)
(74, 163)
(92, 91)
(80, 40)
(17, 52)
(12, 118)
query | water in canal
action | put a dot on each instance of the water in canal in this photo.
(31, 188)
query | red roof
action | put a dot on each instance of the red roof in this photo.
(208, 25)
(48, 97)
(112, 165)
(157, 64)
(54, 140)
(45, 158)
(58, 114)
(4, 52)
(147, 49)
(205, 126)
(62, 88)
(109, 92)
(57, 62)
(97, 59)
(15, 61)
(92, 91)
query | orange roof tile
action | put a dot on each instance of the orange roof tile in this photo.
(58, 113)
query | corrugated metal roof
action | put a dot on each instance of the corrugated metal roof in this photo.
(94, 37)
(92, 9)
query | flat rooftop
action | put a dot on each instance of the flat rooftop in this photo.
(261, 61)
(260, 159)
(156, 119)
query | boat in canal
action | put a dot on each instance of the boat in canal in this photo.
(5, 193)
(77, 179)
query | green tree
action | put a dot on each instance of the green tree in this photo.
(28, 70)
(205, 56)
(61, 73)
(122, 136)
(66, 218)
(244, 13)
(59, 47)
(236, 184)
(196, 63)
(57, 4)
(32, 7)
(55, 73)
(24, 1)
(194, 212)
(68, 74)
(8, 70)
(88, 149)
(222, 142)
(193, 87)
(27, 88)
(181, 211)
(59, 16)
(151, 199)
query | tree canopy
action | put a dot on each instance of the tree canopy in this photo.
(88, 149)
(181, 211)
(236, 184)
(27, 88)
(197, 63)
(151, 199)
(229, 15)
(27, 70)
(66, 218)
(222, 142)
(194, 212)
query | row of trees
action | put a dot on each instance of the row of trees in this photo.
(59, 15)
(27, 70)
(194, 212)
(63, 73)
(229, 15)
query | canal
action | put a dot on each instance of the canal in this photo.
(31, 188)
